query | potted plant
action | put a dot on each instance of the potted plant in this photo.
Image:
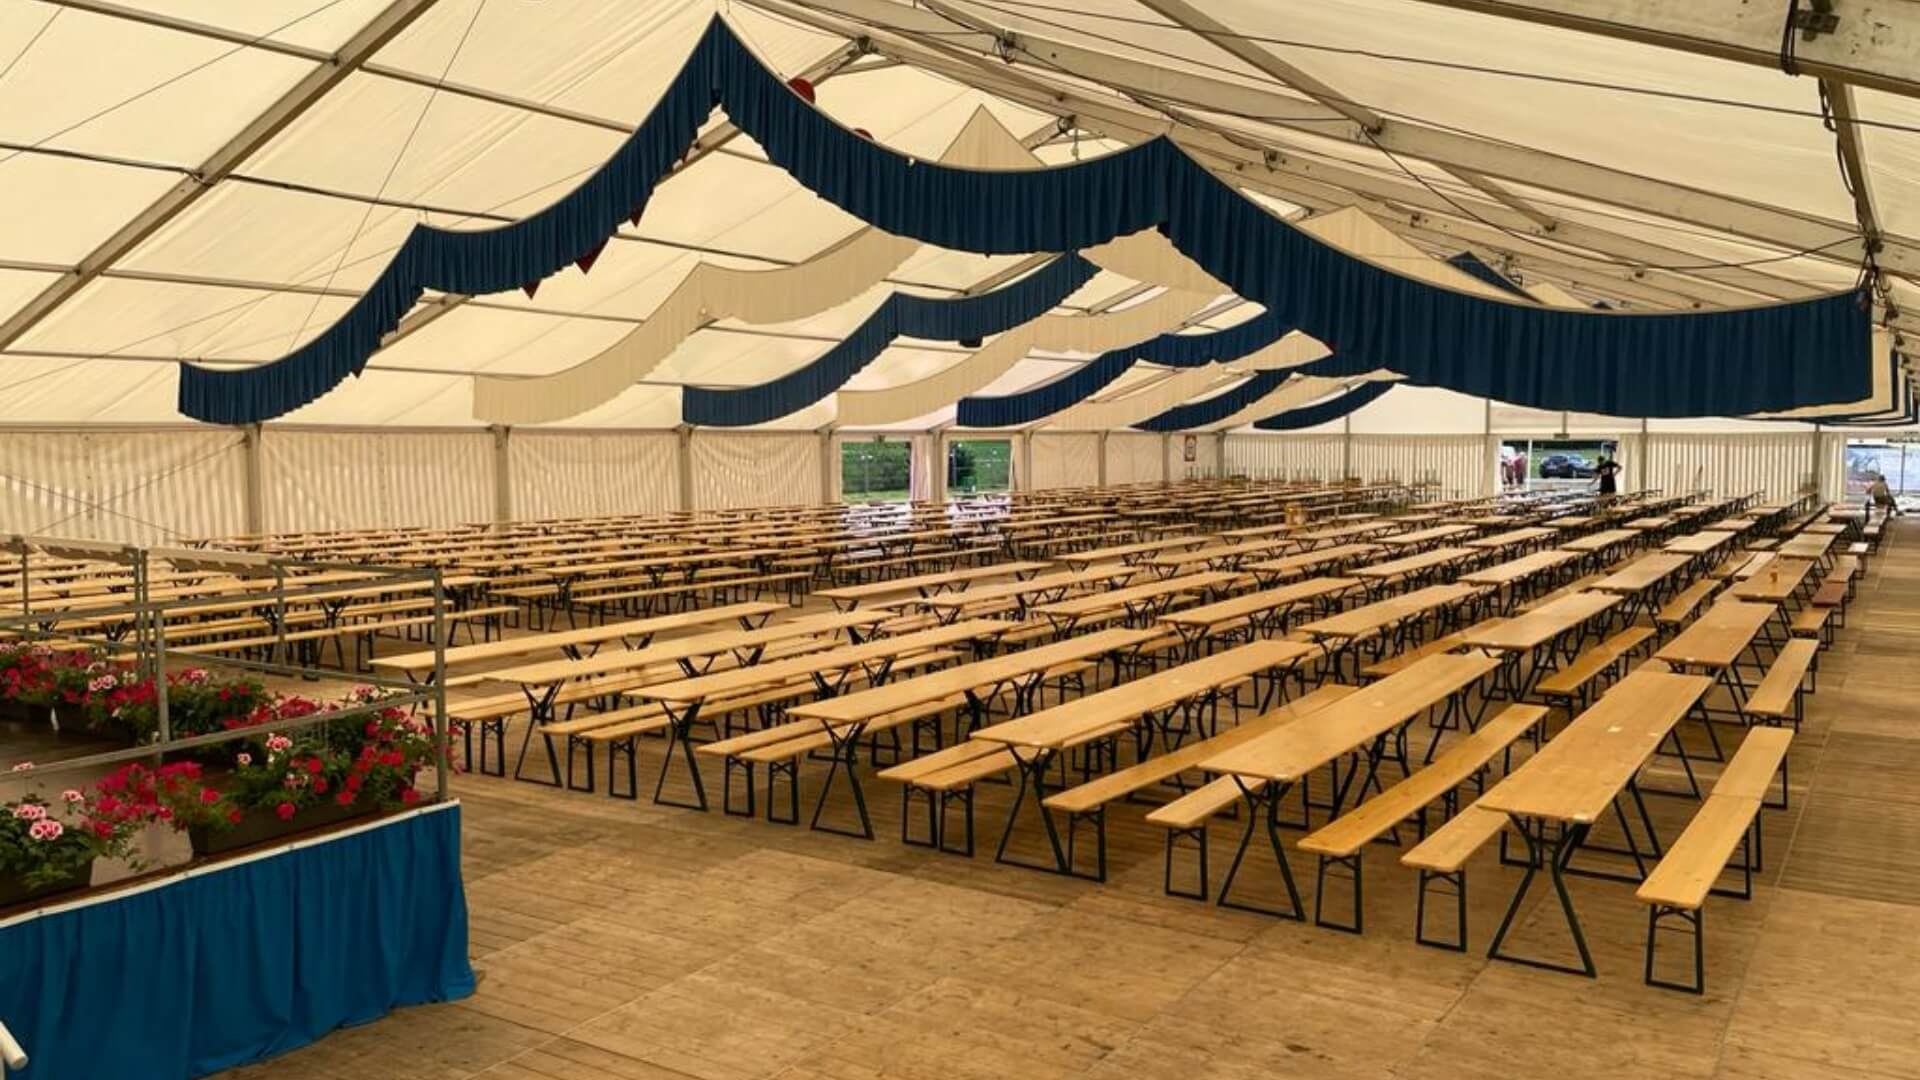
(284, 784)
(48, 848)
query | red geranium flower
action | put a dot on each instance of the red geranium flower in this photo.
(409, 796)
(320, 786)
(209, 796)
(313, 765)
(345, 798)
(285, 810)
(233, 817)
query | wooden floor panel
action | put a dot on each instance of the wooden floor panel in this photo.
(628, 941)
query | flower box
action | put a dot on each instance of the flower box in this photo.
(265, 828)
(15, 890)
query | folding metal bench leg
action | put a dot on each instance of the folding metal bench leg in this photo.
(1099, 819)
(790, 769)
(1353, 864)
(1693, 920)
(1199, 837)
(1457, 879)
(728, 767)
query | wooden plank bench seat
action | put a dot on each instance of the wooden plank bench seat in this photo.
(782, 757)
(1677, 889)
(1680, 610)
(1750, 775)
(943, 778)
(361, 632)
(1441, 859)
(1575, 685)
(1090, 799)
(1568, 589)
(1343, 842)
(1814, 621)
(1186, 817)
(1388, 665)
(1781, 695)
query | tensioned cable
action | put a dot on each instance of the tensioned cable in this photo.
(1022, 7)
(170, 80)
(31, 42)
(433, 95)
(1160, 105)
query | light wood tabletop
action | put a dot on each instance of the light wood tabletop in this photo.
(1520, 569)
(927, 583)
(1699, 543)
(1414, 564)
(933, 685)
(530, 644)
(1095, 603)
(1298, 749)
(1641, 574)
(1532, 534)
(1121, 706)
(1255, 603)
(1807, 546)
(1577, 774)
(1601, 540)
(1718, 637)
(876, 651)
(1307, 562)
(1370, 617)
(1775, 583)
(1529, 631)
(546, 672)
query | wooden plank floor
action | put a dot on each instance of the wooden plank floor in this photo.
(625, 940)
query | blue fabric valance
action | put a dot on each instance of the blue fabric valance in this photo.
(1171, 349)
(1320, 412)
(1218, 407)
(900, 315)
(239, 962)
(1729, 362)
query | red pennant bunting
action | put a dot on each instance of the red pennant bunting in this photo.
(585, 262)
(802, 87)
(864, 133)
(634, 218)
(530, 288)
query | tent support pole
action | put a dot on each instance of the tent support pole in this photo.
(502, 474)
(1100, 477)
(253, 501)
(683, 467)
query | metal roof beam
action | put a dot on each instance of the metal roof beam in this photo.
(1769, 225)
(382, 28)
(1318, 186)
(1871, 43)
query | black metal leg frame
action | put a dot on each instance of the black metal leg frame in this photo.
(1553, 855)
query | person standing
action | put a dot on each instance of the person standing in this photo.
(1606, 471)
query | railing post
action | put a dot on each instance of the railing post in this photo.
(12, 1057)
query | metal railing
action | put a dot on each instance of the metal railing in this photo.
(12, 1057)
(147, 619)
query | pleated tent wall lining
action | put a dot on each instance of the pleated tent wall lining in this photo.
(1064, 460)
(1774, 464)
(556, 474)
(364, 480)
(1456, 464)
(1135, 458)
(736, 469)
(135, 487)
(1283, 457)
(1775, 357)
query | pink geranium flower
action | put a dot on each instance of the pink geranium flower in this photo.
(30, 812)
(47, 829)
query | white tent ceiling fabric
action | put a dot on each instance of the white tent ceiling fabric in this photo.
(479, 113)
